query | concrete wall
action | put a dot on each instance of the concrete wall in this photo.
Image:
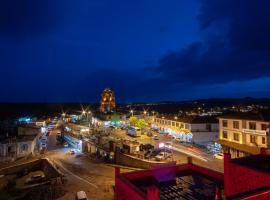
(41, 164)
(127, 160)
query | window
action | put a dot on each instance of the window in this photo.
(225, 134)
(236, 136)
(252, 125)
(177, 124)
(264, 127)
(224, 123)
(236, 124)
(173, 123)
(263, 140)
(252, 139)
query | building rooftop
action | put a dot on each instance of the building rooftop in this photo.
(184, 186)
(259, 162)
(258, 116)
(191, 119)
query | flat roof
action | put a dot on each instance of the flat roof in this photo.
(259, 162)
(258, 116)
(191, 119)
(186, 185)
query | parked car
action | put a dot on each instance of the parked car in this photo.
(39, 178)
(155, 137)
(163, 155)
(160, 156)
(219, 156)
(81, 195)
(71, 152)
(66, 144)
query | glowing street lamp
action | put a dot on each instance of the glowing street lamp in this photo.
(83, 112)
(144, 112)
(131, 112)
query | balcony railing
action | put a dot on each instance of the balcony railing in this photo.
(257, 132)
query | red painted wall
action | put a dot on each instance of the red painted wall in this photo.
(239, 179)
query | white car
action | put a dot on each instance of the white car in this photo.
(219, 156)
(161, 156)
(43, 146)
(81, 195)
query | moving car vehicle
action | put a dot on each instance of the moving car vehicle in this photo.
(81, 195)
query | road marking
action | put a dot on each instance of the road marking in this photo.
(76, 175)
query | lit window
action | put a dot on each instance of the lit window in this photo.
(264, 127)
(236, 124)
(225, 134)
(263, 140)
(252, 139)
(252, 125)
(224, 123)
(236, 136)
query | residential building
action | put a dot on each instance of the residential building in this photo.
(22, 145)
(243, 134)
(193, 129)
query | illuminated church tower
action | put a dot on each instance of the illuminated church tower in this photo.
(107, 103)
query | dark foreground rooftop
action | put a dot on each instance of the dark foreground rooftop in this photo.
(185, 186)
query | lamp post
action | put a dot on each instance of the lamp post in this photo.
(132, 112)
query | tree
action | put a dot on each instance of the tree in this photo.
(133, 121)
(140, 123)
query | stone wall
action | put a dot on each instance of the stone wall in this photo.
(130, 161)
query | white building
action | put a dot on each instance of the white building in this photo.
(244, 134)
(197, 129)
(20, 146)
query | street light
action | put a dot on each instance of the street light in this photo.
(144, 112)
(83, 112)
(131, 112)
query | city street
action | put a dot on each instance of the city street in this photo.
(180, 151)
(96, 179)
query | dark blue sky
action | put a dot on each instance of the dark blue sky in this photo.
(146, 50)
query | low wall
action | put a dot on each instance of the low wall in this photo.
(130, 161)
(40, 164)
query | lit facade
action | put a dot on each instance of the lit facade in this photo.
(200, 130)
(243, 134)
(107, 102)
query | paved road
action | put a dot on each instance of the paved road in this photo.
(180, 151)
(96, 179)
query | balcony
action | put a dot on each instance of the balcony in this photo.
(256, 132)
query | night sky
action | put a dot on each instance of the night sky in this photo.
(146, 50)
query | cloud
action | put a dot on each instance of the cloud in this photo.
(235, 46)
